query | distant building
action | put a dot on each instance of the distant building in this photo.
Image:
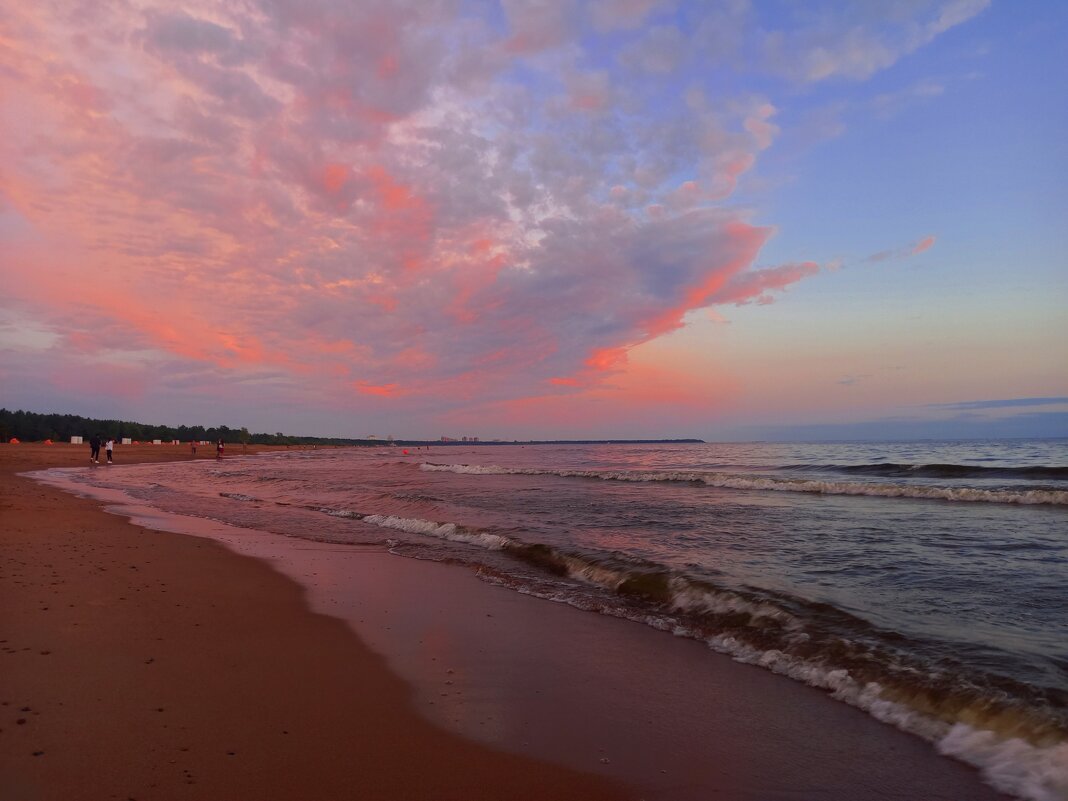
(75, 440)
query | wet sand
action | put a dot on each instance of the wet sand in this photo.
(658, 717)
(149, 665)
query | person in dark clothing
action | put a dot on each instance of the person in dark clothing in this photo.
(94, 449)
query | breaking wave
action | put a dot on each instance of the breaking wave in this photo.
(1015, 733)
(429, 528)
(732, 481)
(905, 470)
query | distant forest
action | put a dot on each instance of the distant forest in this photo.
(34, 427)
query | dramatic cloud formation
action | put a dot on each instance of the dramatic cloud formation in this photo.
(424, 203)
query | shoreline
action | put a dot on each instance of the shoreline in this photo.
(592, 693)
(152, 665)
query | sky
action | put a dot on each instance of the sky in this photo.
(732, 219)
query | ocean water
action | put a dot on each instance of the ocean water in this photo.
(924, 582)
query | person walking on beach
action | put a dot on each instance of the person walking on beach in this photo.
(219, 449)
(109, 447)
(193, 446)
(94, 449)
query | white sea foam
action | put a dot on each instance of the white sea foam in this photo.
(1011, 765)
(687, 598)
(590, 573)
(445, 531)
(731, 481)
(478, 470)
(345, 513)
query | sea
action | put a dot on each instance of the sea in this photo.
(923, 582)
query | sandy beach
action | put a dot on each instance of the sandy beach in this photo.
(148, 665)
(164, 666)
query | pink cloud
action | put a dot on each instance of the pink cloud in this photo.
(923, 245)
(639, 396)
(537, 24)
(756, 284)
(314, 198)
(384, 391)
(589, 92)
(904, 252)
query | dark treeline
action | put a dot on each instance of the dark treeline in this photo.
(34, 427)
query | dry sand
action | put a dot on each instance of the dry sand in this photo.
(161, 666)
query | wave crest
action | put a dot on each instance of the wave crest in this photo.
(1018, 740)
(732, 481)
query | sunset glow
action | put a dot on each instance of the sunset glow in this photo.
(532, 219)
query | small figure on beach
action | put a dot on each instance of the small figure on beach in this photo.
(94, 449)
(219, 449)
(109, 447)
(193, 446)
